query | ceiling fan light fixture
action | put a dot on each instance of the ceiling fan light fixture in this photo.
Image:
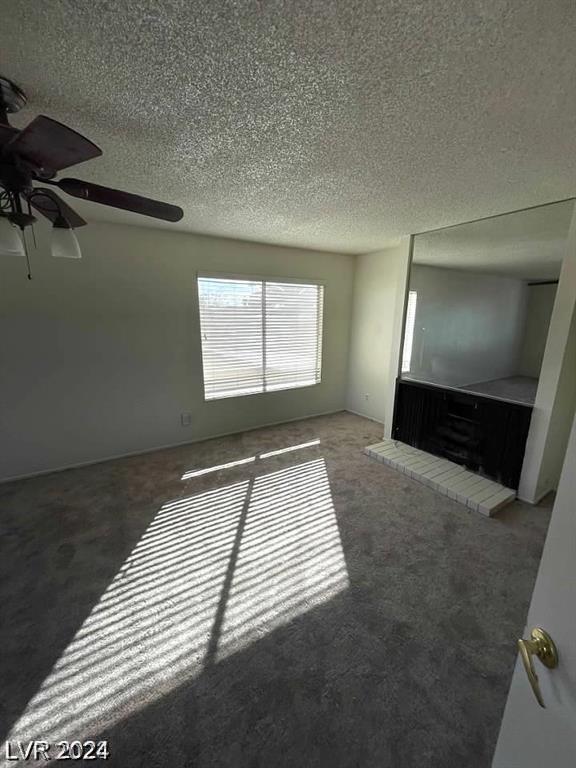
(65, 244)
(10, 241)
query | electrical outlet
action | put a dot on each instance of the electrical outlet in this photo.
(366, 396)
(186, 419)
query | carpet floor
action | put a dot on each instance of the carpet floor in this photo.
(271, 599)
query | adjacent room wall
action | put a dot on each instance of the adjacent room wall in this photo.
(379, 292)
(540, 303)
(469, 326)
(100, 357)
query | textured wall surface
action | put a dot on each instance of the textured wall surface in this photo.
(335, 125)
(379, 289)
(101, 356)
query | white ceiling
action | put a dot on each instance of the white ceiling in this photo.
(334, 124)
(529, 245)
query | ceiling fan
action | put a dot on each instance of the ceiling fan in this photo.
(34, 155)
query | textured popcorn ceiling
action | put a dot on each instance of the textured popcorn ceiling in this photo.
(337, 124)
(529, 245)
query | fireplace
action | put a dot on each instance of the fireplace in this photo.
(484, 434)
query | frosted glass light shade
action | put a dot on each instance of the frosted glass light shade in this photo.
(65, 244)
(10, 240)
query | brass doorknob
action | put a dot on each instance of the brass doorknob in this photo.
(542, 646)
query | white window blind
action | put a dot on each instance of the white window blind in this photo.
(259, 335)
(409, 331)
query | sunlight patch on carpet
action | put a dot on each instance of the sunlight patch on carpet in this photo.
(213, 572)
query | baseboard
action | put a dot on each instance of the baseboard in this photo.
(166, 446)
(364, 416)
(538, 498)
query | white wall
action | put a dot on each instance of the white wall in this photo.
(562, 412)
(379, 291)
(100, 357)
(556, 395)
(538, 312)
(469, 326)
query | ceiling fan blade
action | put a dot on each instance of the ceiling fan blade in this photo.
(115, 198)
(51, 206)
(52, 146)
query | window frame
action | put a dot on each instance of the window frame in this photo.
(409, 327)
(251, 277)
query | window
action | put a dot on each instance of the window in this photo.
(259, 335)
(409, 331)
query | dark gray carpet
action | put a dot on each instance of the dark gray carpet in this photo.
(307, 608)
